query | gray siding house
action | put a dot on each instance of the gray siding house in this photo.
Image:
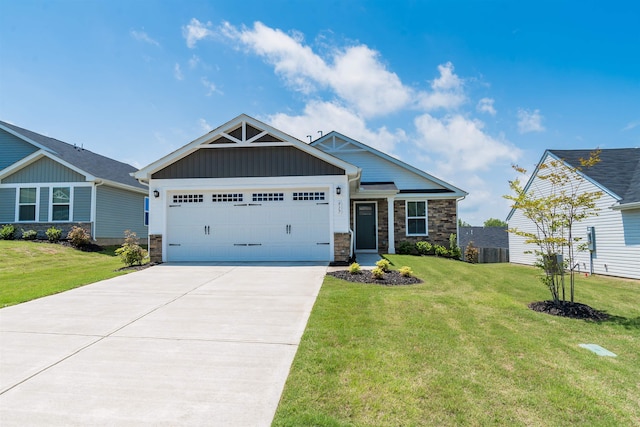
(45, 182)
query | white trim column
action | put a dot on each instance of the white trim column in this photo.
(391, 225)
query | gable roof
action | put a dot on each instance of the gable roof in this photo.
(86, 161)
(618, 170)
(483, 237)
(447, 188)
(242, 131)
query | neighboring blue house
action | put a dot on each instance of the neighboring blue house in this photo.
(45, 182)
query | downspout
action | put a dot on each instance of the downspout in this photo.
(458, 222)
(351, 232)
(94, 208)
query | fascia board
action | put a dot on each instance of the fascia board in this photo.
(387, 157)
(22, 163)
(25, 139)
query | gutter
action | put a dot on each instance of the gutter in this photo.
(626, 206)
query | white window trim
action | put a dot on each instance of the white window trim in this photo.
(426, 218)
(18, 204)
(50, 212)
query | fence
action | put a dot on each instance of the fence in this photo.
(492, 255)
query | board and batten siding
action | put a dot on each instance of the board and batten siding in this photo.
(82, 204)
(44, 170)
(118, 210)
(13, 149)
(7, 205)
(617, 250)
(44, 204)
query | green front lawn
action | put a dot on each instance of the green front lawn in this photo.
(30, 270)
(464, 349)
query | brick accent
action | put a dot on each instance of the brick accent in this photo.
(441, 217)
(155, 248)
(42, 227)
(341, 243)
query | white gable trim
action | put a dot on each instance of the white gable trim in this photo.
(363, 147)
(33, 157)
(203, 142)
(25, 139)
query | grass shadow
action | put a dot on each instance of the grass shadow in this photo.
(625, 322)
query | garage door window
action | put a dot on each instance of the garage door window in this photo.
(188, 198)
(232, 197)
(268, 197)
(318, 195)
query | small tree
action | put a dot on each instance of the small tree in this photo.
(554, 204)
(130, 252)
(495, 222)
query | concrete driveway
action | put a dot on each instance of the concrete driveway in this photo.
(170, 345)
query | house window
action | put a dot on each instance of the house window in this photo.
(60, 203)
(146, 211)
(27, 204)
(417, 218)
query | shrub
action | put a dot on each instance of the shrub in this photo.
(383, 265)
(131, 253)
(424, 248)
(441, 250)
(53, 234)
(29, 234)
(377, 273)
(78, 237)
(471, 253)
(7, 232)
(406, 271)
(354, 268)
(454, 249)
(405, 248)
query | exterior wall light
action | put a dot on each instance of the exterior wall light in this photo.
(156, 193)
(338, 190)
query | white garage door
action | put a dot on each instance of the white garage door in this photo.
(261, 225)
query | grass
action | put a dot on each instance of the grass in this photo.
(463, 349)
(30, 270)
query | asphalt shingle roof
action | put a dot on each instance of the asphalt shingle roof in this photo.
(484, 237)
(95, 164)
(618, 170)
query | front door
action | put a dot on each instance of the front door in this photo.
(366, 227)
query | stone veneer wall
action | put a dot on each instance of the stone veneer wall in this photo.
(441, 217)
(341, 244)
(155, 248)
(42, 227)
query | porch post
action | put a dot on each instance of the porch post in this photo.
(391, 225)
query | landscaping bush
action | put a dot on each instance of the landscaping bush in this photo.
(54, 234)
(131, 253)
(78, 237)
(354, 268)
(441, 250)
(29, 234)
(424, 248)
(454, 249)
(405, 271)
(378, 273)
(405, 248)
(471, 253)
(383, 265)
(7, 232)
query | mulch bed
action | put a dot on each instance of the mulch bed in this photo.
(573, 310)
(392, 278)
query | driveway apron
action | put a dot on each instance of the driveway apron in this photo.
(172, 345)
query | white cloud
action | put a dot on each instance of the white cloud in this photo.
(196, 31)
(194, 61)
(354, 73)
(529, 121)
(448, 91)
(461, 143)
(631, 125)
(177, 72)
(485, 105)
(211, 87)
(206, 127)
(328, 116)
(143, 37)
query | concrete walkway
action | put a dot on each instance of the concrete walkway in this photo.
(172, 345)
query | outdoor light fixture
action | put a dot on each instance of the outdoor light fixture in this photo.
(338, 190)
(156, 193)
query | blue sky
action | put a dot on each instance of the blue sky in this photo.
(460, 89)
